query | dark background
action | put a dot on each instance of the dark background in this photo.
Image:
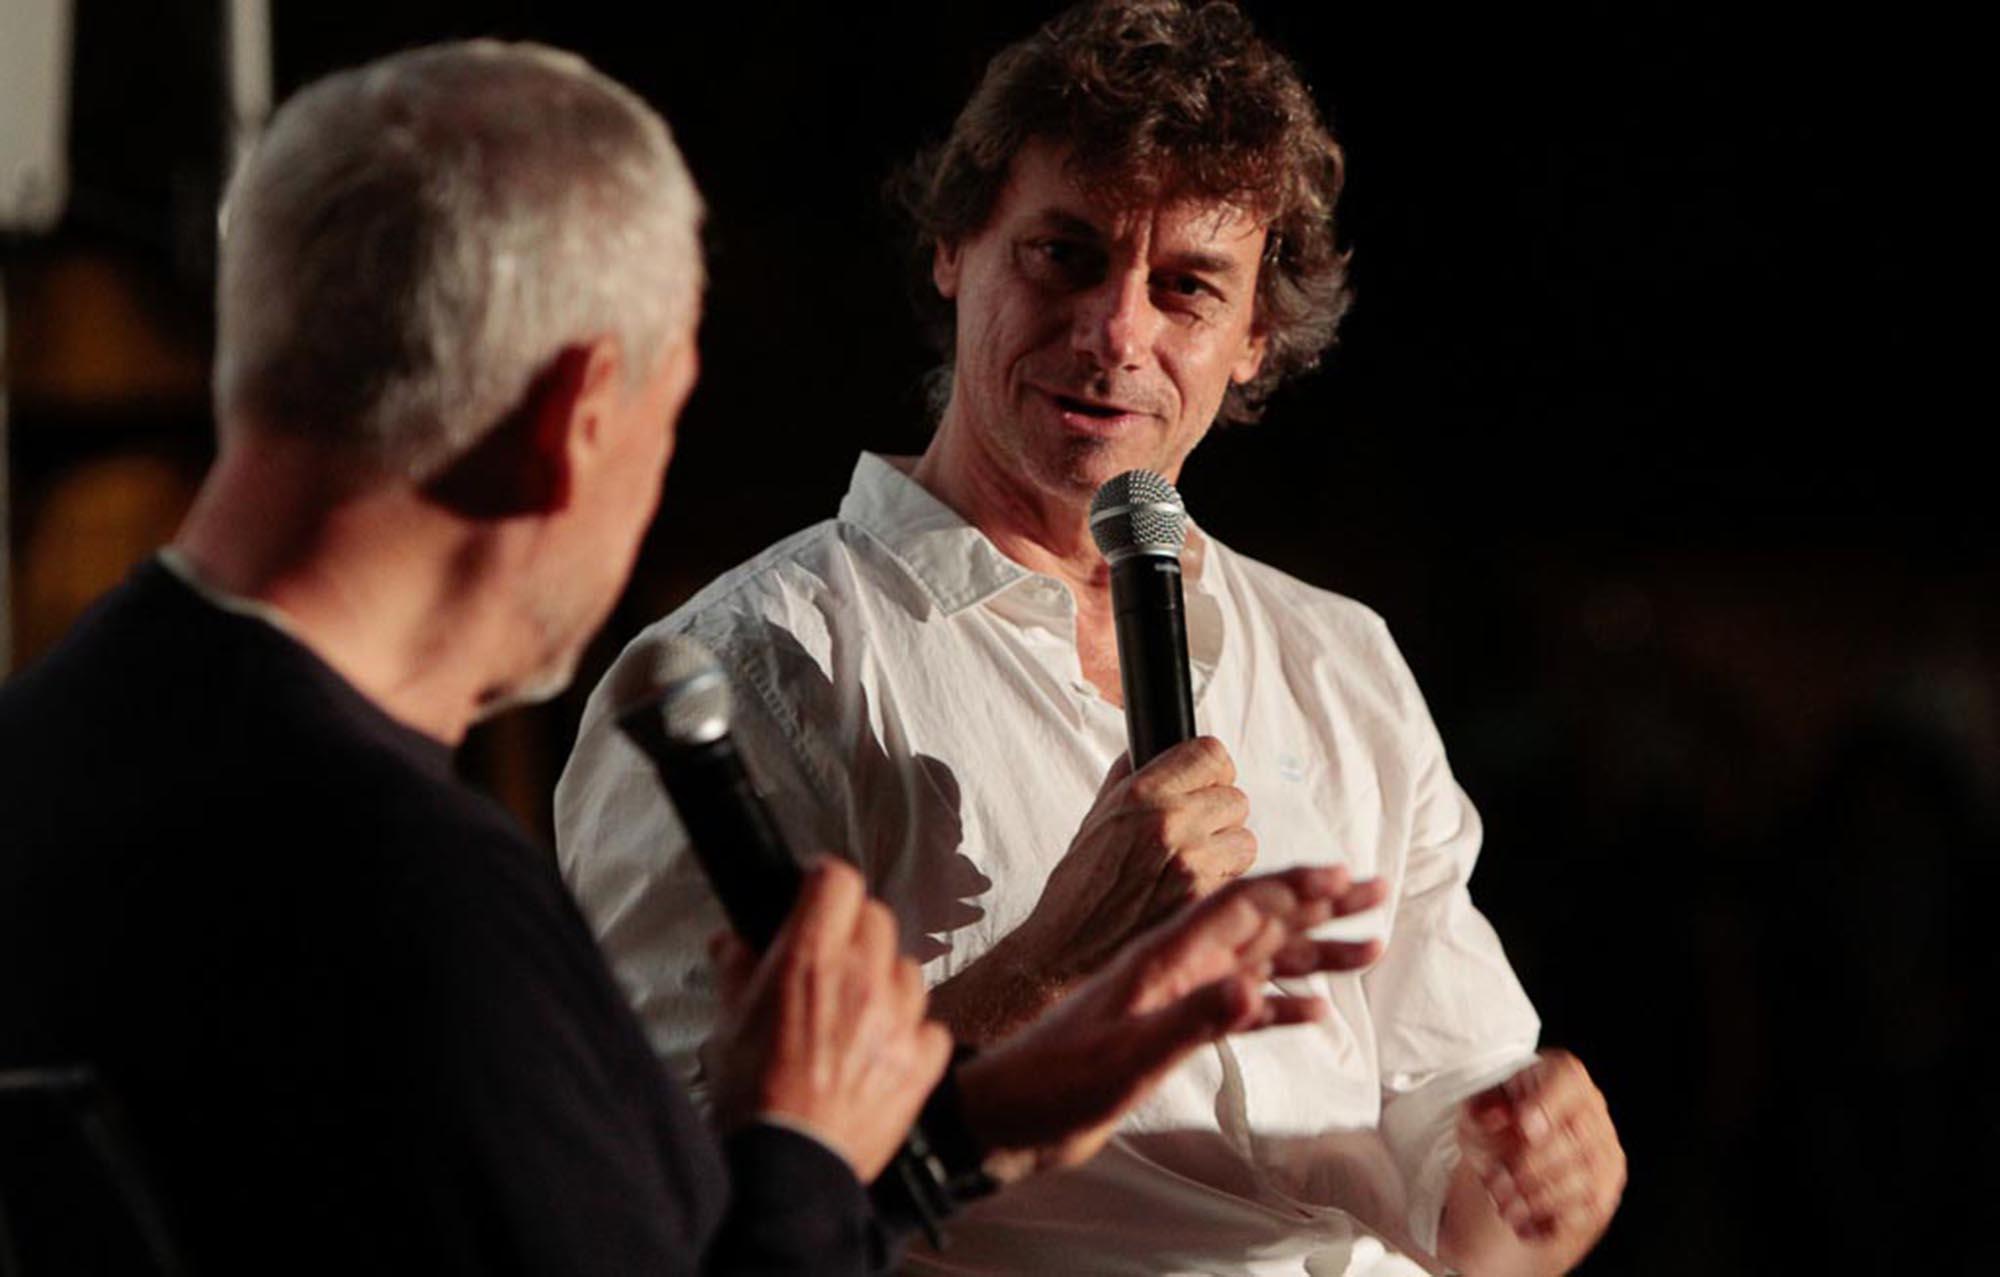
(1632, 436)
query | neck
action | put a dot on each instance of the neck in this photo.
(380, 583)
(1046, 531)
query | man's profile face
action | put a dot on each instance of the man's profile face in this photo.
(1094, 339)
(615, 498)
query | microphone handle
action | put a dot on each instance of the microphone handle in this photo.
(1151, 619)
(733, 836)
(740, 848)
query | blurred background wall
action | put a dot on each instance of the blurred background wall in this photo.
(1635, 436)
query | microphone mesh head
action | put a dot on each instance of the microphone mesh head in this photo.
(682, 682)
(1138, 513)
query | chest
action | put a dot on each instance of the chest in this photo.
(978, 760)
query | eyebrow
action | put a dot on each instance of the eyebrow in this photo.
(1192, 261)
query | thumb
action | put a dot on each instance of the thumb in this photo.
(735, 965)
(1120, 770)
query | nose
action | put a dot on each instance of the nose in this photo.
(1116, 321)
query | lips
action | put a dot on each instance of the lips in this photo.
(1089, 413)
(1088, 408)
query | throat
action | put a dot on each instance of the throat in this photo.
(1097, 654)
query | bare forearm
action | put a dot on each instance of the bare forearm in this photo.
(1475, 1240)
(1001, 991)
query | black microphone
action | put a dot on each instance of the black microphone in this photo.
(676, 710)
(1140, 526)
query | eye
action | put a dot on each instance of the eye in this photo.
(1062, 261)
(1186, 292)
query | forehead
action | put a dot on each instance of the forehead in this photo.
(1043, 187)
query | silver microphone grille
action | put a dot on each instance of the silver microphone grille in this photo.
(687, 684)
(1138, 513)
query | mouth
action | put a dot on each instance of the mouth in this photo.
(1070, 403)
(1080, 411)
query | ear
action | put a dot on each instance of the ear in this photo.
(528, 463)
(946, 261)
(1255, 344)
(576, 407)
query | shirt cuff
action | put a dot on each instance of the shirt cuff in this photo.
(1421, 1129)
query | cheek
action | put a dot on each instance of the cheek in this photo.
(1206, 366)
(1002, 317)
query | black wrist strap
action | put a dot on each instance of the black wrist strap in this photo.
(958, 1161)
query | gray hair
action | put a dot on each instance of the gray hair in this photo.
(413, 241)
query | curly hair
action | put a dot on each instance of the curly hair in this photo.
(1155, 99)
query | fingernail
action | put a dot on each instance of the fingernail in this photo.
(1534, 1123)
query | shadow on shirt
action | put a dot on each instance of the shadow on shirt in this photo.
(894, 812)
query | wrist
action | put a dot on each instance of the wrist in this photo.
(985, 1099)
(1039, 962)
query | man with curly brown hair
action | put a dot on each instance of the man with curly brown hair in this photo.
(1129, 234)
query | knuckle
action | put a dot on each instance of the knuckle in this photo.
(1529, 1181)
(1214, 756)
(838, 875)
(1241, 913)
(880, 926)
(1238, 804)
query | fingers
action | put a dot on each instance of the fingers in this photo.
(1305, 956)
(1265, 918)
(844, 1048)
(1545, 1148)
(735, 963)
(1282, 1010)
(822, 921)
(1256, 927)
(1242, 924)
(871, 980)
(1121, 769)
(1360, 897)
(1191, 765)
(1198, 871)
(1163, 1037)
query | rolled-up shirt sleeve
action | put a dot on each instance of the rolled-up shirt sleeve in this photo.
(1450, 1016)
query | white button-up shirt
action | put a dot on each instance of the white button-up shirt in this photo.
(909, 696)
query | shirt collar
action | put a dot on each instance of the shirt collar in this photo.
(959, 568)
(953, 561)
(181, 566)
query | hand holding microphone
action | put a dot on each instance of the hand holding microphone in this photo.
(1168, 823)
(831, 1030)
